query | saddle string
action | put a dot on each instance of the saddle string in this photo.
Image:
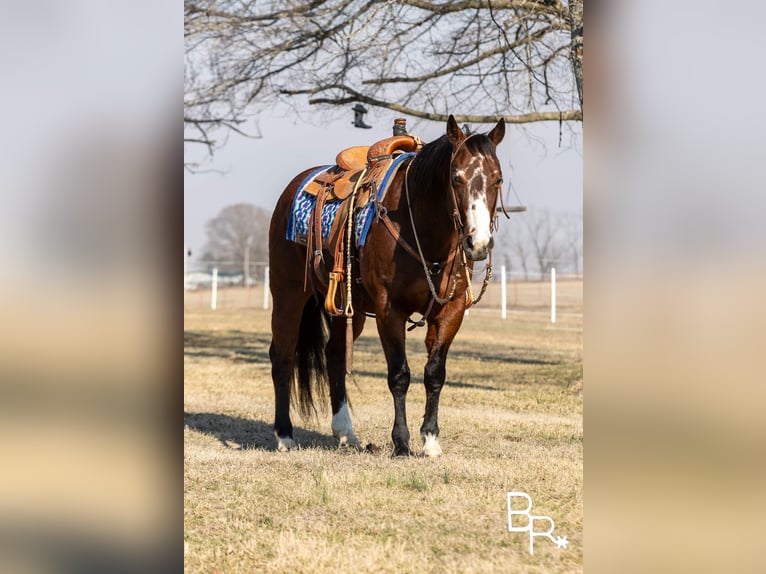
(349, 310)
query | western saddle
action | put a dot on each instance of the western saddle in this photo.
(357, 162)
(356, 175)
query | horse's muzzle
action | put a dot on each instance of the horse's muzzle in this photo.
(477, 252)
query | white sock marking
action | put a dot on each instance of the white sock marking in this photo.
(285, 443)
(341, 427)
(431, 445)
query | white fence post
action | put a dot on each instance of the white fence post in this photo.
(214, 294)
(266, 287)
(553, 294)
(503, 294)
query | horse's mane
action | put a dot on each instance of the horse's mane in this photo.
(433, 160)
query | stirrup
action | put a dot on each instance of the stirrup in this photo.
(332, 288)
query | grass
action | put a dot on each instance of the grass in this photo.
(510, 417)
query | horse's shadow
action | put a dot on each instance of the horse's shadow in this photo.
(240, 346)
(241, 434)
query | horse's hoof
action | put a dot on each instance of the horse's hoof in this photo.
(431, 447)
(285, 443)
(402, 451)
(348, 441)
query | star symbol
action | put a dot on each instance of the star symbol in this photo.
(561, 541)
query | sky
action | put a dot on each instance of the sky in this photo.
(256, 170)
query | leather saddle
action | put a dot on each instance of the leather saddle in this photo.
(339, 180)
(359, 168)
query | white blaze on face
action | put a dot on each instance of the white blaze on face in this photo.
(478, 221)
(478, 218)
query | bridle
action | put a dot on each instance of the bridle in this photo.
(458, 221)
(460, 228)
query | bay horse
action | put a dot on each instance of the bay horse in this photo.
(443, 203)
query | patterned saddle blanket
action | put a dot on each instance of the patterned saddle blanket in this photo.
(304, 202)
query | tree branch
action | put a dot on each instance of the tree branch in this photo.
(539, 6)
(568, 115)
(468, 63)
(517, 59)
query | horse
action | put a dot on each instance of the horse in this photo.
(436, 220)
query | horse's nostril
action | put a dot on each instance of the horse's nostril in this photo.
(469, 242)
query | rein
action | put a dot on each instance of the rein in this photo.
(439, 300)
(459, 227)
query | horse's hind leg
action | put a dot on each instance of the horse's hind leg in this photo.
(336, 371)
(285, 322)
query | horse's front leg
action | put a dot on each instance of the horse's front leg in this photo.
(391, 331)
(441, 332)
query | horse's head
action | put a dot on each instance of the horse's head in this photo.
(475, 181)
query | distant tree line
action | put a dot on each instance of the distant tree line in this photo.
(530, 242)
(237, 238)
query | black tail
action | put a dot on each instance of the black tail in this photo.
(310, 363)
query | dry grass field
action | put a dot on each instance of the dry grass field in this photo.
(510, 417)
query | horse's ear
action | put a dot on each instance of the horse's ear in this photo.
(454, 133)
(498, 132)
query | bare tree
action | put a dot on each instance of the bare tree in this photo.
(237, 237)
(576, 47)
(520, 59)
(513, 241)
(571, 226)
(545, 238)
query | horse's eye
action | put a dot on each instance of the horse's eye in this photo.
(457, 179)
(499, 181)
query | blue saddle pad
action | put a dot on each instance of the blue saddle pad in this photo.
(303, 205)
